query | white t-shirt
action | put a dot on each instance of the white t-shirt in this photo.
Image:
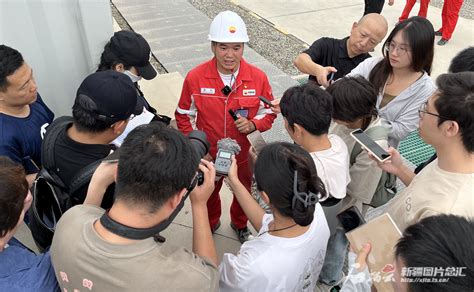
(332, 166)
(229, 79)
(271, 263)
(433, 191)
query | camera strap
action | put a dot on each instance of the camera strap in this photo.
(122, 230)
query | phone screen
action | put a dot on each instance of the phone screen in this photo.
(370, 144)
(350, 219)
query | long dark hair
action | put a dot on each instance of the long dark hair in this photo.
(419, 34)
(108, 60)
(275, 173)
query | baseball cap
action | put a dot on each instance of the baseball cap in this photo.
(114, 95)
(134, 50)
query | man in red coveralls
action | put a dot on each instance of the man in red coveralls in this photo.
(449, 17)
(226, 82)
(409, 5)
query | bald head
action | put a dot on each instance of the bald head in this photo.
(367, 34)
(375, 19)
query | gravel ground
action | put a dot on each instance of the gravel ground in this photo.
(125, 26)
(272, 44)
(467, 9)
(269, 42)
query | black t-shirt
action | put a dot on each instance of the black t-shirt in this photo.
(333, 52)
(72, 156)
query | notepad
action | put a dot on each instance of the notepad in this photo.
(144, 118)
(382, 233)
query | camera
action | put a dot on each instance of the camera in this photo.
(201, 146)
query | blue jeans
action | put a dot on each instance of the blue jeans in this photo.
(336, 251)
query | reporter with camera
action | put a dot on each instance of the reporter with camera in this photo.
(115, 250)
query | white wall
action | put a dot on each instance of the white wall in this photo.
(60, 39)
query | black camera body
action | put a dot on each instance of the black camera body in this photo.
(201, 146)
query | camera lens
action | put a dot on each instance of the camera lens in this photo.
(199, 141)
(200, 144)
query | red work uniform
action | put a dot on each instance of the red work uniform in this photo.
(204, 107)
(449, 17)
(410, 3)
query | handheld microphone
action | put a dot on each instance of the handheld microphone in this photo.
(233, 115)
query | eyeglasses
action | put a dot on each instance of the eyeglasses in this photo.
(401, 49)
(422, 111)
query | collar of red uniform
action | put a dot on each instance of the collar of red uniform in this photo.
(244, 72)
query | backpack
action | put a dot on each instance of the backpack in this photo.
(51, 196)
(387, 186)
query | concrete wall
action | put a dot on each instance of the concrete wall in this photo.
(60, 39)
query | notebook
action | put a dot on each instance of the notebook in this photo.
(382, 233)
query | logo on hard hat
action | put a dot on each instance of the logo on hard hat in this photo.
(232, 29)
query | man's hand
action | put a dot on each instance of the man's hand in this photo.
(393, 165)
(203, 245)
(323, 73)
(276, 106)
(103, 176)
(244, 126)
(201, 193)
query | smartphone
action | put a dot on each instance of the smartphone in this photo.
(112, 157)
(363, 139)
(256, 140)
(330, 77)
(350, 219)
(265, 101)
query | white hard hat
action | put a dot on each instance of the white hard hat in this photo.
(228, 27)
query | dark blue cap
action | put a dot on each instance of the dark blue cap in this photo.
(113, 93)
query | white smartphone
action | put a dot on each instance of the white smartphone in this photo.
(373, 148)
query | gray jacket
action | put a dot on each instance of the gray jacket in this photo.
(402, 112)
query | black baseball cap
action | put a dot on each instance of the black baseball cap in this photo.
(113, 93)
(134, 50)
